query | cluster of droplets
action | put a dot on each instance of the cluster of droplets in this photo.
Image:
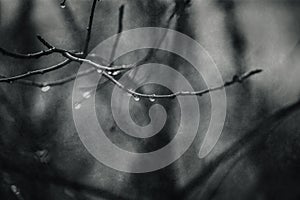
(137, 98)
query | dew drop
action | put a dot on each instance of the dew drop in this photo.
(69, 193)
(63, 5)
(77, 106)
(109, 72)
(152, 99)
(86, 95)
(14, 188)
(136, 98)
(46, 88)
(99, 71)
(115, 73)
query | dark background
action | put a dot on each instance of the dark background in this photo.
(40, 150)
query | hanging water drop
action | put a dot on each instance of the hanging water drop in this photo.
(63, 4)
(136, 98)
(115, 73)
(86, 95)
(46, 88)
(99, 71)
(77, 106)
(15, 189)
(151, 99)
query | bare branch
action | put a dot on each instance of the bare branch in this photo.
(35, 72)
(26, 56)
(120, 29)
(96, 65)
(51, 49)
(89, 28)
(235, 79)
(105, 70)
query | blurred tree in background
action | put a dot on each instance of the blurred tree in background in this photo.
(42, 157)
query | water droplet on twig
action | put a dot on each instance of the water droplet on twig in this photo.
(99, 71)
(15, 189)
(63, 4)
(152, 99)
(136, 98)
(43, 155)
(77, 106)
(115, 73)
(86, 95)
(45, 88)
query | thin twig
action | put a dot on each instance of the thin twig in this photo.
(107, 69)
(120, 29)
(26, 56)
(35, 72)
(89, 28)
(51, 83)
(235, 79)
(96, 65)
(51, 49)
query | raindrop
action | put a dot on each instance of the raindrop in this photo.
(136, 98)
(45, 88)
(69, 193)
(63, 4)
(77, 106)
(99, 71)
(115, 73)
(151, 99)
(86, 95)
(43, 155)
(109, 72)
(15, 189)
